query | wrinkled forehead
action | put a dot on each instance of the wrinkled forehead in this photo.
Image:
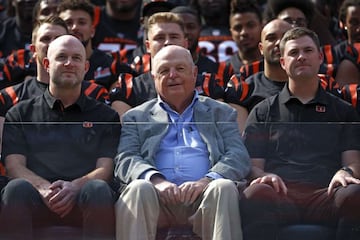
(165, 28)
(50, 28)
(299, 43)
(276, 26)
(171, 56)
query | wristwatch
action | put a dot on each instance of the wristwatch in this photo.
(348, 170)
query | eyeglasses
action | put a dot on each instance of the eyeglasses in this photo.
(298, 22)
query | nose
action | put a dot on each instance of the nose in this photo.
(67, 61)
(73, 26)
(301, 56)
(167, 41)
(172, 73)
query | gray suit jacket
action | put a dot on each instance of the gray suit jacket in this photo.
(144, 127)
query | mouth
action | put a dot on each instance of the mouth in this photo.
(302, 66)
(245, 42)
(77, 35)
(69, 73)
(276, 53)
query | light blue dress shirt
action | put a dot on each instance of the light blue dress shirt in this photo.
(182, 155)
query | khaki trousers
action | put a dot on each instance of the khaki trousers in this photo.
(214, 216)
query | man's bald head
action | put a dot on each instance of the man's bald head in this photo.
(64, 42)
(277, 24)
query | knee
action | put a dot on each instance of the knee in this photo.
(223, 186)
(18, 190)
(140, 188)
(350, 196)
(260, 191)
(96, 191)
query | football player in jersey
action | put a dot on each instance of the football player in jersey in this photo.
(79, 16)
(349, 15)
(192, 23)
(139, 58)
(117, 25)
(215, 39)
(15, 31)
(164, 29)
(245, 26)
(45, 8)
(349, 68)
(298, 14)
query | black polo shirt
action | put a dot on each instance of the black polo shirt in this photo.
(61, 143)
(302, 142)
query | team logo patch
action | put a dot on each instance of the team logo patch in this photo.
(320, 108)
(87, 124)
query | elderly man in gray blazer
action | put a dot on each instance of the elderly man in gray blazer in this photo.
(180, 156)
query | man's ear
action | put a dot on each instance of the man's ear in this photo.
(147, 45)
(186, 43)
(92, 31)
(87, 66)
(46, 63)
(32, 48)
(260, 46)
(282, 63)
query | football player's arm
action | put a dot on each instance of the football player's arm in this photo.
(347, 73)
(120, 107)
(242, 114)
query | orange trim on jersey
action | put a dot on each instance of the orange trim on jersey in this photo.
(2, 170)
(235, 81)
(353, 94)
(12, 94)
(123, 55)
(357, 47)
(129, 84)
(329, 59)
(2, 99)
(206, 82)
(102, 93)
(97, 13)
(90, 89)
(10, 60)
(256, 67)
(146, 62)
(220, 73)
(327, 82)
(113, 67)
(21, 57)
(245, 90)
(244, 70)
(323, 81)
(7, 72)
